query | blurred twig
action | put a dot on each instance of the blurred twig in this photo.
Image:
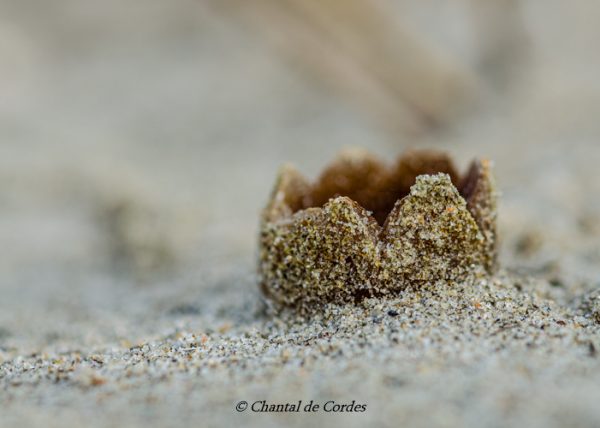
(503, 41)
(357, 48)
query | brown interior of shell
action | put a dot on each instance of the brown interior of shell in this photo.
(376, 186)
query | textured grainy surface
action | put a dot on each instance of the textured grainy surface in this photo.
(180, 122)
(337, 252)
(472, 354)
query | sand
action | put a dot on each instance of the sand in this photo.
(134, 164)
(490, 353)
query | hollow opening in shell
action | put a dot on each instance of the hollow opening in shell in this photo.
(377, 187)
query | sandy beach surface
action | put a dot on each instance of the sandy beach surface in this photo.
(138, 144)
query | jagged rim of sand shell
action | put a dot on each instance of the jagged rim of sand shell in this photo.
(295, 196)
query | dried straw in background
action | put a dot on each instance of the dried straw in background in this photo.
(360, 50)
(357, 49)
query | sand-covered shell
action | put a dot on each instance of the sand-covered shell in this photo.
(365, 229)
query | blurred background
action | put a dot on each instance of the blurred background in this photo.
(140, 139)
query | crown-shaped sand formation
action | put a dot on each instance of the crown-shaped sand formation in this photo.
(367, 229)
